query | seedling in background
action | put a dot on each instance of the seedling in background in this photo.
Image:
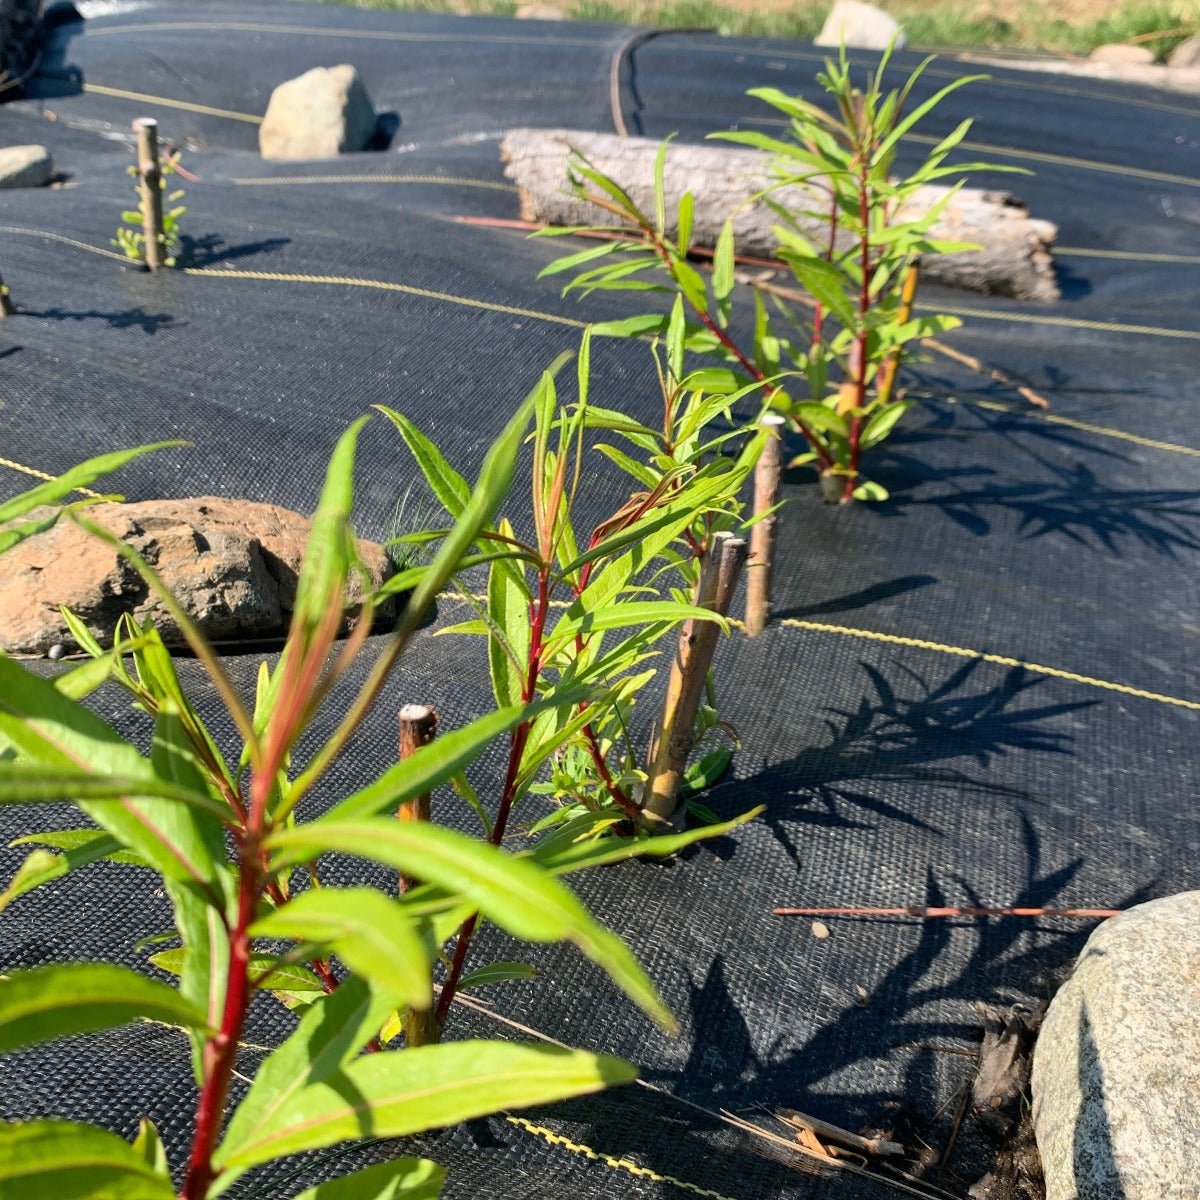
(154, 238)
(830, 371)
(6, 305)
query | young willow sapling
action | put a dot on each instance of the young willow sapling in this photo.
(831, 373)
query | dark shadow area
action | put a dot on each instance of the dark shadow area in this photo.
(1092, 1157)
(387, 126)
(886, 590)
(56, 77)
(906, 730)
(1071, 284)
(212, 248)
(129, 318)
(1078, 506)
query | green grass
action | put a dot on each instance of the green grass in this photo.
(1025, 25)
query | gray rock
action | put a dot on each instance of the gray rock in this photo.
(1116, 1070)
(1120, 52)
(232, 565)
(320, 114)
(858, 25)
(1186, 54)
(25, 167)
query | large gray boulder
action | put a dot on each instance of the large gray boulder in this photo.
(232, 565)
(25, 166)
(1116, 1070)
(859, 26)
(320, 114)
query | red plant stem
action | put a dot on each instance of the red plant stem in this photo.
(516, 749)
(927, 913)
(746, 363)
(220, 1052)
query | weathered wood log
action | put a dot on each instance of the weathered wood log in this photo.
(1015, 258)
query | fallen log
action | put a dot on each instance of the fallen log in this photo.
(1014, 258)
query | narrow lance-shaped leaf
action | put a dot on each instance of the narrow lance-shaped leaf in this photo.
(396, 1093)
(368, 931)
(60, 1159)
(47, 1003)
(400, 1179)
(514, 893)
(330, 1033)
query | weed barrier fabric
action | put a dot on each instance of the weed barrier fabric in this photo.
(897, 769)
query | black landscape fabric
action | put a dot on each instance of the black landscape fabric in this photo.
(982, 692)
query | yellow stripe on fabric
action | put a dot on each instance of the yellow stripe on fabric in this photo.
(1064, 160)
(617, 1164)
(1085, 426)
(986, 314)
(1125, 255)
(386, 286)
(166, 102)
(453, 180)
(24, 470)
(66, 241)
(1002, 660)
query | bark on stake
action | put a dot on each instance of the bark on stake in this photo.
(672, 744)
(150, 187)
(762, 535)
(418, 727)
(6, 304)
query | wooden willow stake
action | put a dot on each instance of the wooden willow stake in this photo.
(672, 743)
(150, 187)
(418, 727)
(762, 534)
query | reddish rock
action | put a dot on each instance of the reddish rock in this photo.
(231, 564)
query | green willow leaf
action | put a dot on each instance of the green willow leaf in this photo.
(331, 549)
(63, 1160)
(53, 732)
(368, 931)
(431, 765)
(562, 854)
(446, 483)
(401, 1179)
(80, 476)
(497, 972)
(513, 892)
(331, 1032)
(45, 1003)
(396, 1093)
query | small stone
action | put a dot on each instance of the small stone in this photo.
(320, 114)
(1186, 54)
(820, 930)
(859, 26)
(25, 167)
(1115, 1069)
(56, 651)
(861, 996)
(1121, 52)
